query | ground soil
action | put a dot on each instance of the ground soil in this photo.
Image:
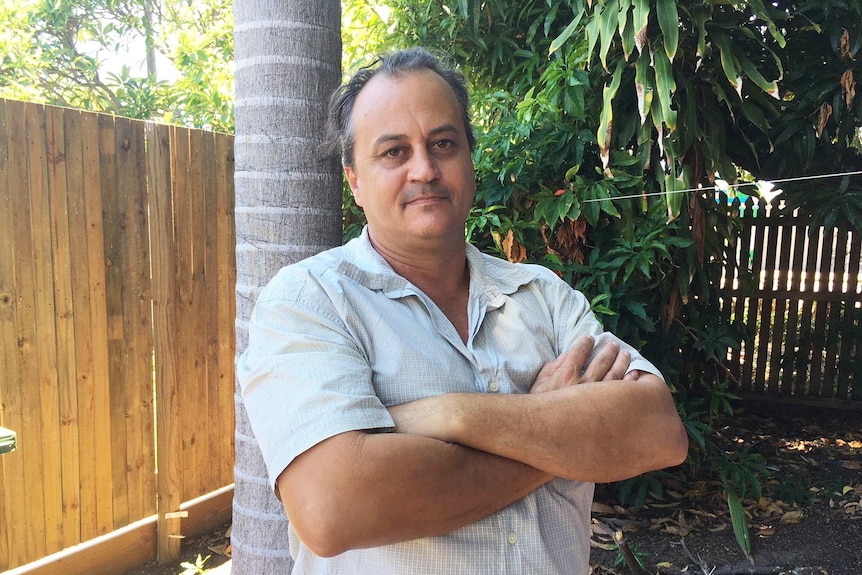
(212, 548)
(807, 522)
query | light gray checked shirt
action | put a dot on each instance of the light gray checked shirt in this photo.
(336, 338)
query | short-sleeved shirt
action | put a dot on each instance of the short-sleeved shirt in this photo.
(338, 337)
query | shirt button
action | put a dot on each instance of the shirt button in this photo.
(513, 538)
(494, 387)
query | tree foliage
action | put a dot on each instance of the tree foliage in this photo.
(604, 125)
(166, 60)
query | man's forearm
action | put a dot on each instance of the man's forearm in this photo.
(597, 432)
(359, 490)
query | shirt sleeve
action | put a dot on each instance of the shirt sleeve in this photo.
(574, 319)
(303, 378)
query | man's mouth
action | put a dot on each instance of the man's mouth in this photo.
(425, 197)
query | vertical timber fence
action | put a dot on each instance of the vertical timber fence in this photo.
(117, 271)
(798, 289)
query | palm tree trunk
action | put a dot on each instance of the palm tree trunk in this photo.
(288, 207)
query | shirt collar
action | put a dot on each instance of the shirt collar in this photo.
(489, 275)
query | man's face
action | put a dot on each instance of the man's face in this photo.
(412, 170)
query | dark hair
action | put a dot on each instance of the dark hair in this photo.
(340, 123)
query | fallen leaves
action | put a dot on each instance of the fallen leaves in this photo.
(791, 517)
(815, 469)
(219, 542)
(850, 502)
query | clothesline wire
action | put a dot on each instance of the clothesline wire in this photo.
(701, 189)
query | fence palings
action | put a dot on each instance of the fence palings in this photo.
(79, 349)
(803, 312)
(778, 335)
(90, 204)
(850, 350)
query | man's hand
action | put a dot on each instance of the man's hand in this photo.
(600, 424)
(609, 364)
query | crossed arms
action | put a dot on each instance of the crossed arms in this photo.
(457, 458)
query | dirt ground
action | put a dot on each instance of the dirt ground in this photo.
(808, 521)
(213, 548)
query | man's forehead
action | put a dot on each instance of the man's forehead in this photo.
(387, 100)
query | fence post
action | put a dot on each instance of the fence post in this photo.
(168, 428)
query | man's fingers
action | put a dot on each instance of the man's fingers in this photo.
(548, 376)
(602, 363)
(566, 369)
(620, 366)
(609, 364)
(577, 356)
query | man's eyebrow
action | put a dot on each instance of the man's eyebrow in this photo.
(385, 138)
(444, 129)
(389, 138)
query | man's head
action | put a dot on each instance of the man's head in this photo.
(341, 129)
(407, 149)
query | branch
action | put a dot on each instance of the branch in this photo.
(628, 555)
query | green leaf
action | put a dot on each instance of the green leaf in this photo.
(760, 11)
(755, 76)
(640, 21)
(739, 522)
(463, 8)
(572, 172)
(628, 37)
(756, 117)
(729, 63)
(673, 196)
(699, 15)
(593, 31)
(623, 15)
(668, 21)
(608, 30)
(546, 210)
(566, 34)
(604, 190)
(666, 87)
(575, 211)
(603, 135)
(644, 86)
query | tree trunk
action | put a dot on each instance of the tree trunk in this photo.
(288, 207)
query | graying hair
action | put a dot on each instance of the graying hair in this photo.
(340, 123)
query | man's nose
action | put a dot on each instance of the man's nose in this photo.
(423, 167)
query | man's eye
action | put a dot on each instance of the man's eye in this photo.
(445, 144)
(393, 152)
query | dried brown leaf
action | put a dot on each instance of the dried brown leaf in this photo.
(791, 517)
(844, 46)
(848, 85)
(602, 508)
(825, 114)
(514, 251)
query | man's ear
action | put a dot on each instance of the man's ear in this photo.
(353, 182)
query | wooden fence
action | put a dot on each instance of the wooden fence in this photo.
(800, 294)
(116, 325)
(117, 273)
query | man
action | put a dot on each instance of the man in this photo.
(424, 408)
